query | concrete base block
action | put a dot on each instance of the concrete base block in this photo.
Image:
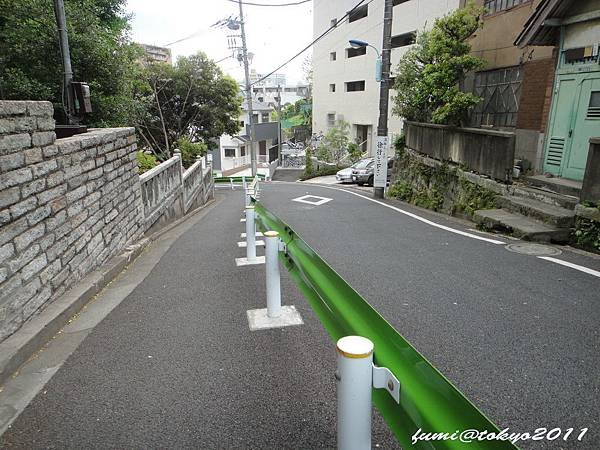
(243, 244)
(257, 234)
(244, 261)
(259, 320)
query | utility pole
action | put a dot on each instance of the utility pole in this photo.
(248, 92)
(61, 22)
(384, 87)
(279, 123)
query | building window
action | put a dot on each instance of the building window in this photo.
(230, 153)
(254, 118)
(352, 52)
(242, 123)
(494, 6)
(352, 86)
(264, 117)
(402, 40)
(332, 56)
(243, 150)
(331, 119)
(358, 13)
(332, 87)
(500, 91)
(398, 2)
(333, 22)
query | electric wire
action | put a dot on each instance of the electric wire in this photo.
(270, 4)
(321, 36)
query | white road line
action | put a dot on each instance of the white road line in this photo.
(422, 219)
(571, 265)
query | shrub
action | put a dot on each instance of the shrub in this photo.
(145, 161)
(190, 151)
(308, 167)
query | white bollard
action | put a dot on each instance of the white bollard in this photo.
(231, 183)
(272, 269)
(355, 381)
(250, 236)
(248, 197)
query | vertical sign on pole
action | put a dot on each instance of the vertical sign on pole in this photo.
(380, 170)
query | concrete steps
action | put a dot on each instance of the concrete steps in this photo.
(559, 185)
(546, 196)
(520, 226)
(552, 215)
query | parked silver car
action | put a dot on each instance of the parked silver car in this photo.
(363, 173)
(345, 175)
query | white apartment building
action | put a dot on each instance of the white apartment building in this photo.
(234, 151)
(344, 85)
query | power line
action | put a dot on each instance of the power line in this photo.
(274, 4)
(311, 44)
(193, 35)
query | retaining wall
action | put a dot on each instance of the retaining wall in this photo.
(488, 152)
(66, 206)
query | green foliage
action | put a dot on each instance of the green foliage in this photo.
(587, 233)
(354, 152)
(299, 112)
(323, 171)
(473, 197)
(190, 151)
(323, 154)
(145, 161)
(400, 143)
(308, 167)
(191, 100)
(101, 54)
(335, 143)
(429, 74)
(402, 190)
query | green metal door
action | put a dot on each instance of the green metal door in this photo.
(586, 125)
(575, 117)
(560, 124)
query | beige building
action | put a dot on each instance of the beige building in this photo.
(344, 85)
(516, 83)
(158, 54)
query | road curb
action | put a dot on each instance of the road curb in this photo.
(18, 348)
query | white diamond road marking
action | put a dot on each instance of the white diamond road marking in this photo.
(305, 199)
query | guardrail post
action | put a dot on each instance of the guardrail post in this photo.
(231, 183)
(250, 234)
(354, 383)
(273, 277)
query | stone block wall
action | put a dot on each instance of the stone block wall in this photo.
(66, 206)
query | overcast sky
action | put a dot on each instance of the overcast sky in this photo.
(273, 33)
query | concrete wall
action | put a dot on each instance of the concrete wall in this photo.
(361, 108)
(66, 206)
(486, 152)
(590, 191)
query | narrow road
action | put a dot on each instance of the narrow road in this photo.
(517, 334)
(176, 366)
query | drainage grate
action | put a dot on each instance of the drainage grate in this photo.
(533, 249)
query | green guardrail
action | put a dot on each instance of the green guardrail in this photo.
(428, 401)
(238, 179)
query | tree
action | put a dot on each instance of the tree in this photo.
(336, 142)
(192, 100)
(429, 74)
(101, 53)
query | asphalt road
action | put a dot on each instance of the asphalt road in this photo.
(175, 365)
(517, 334)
